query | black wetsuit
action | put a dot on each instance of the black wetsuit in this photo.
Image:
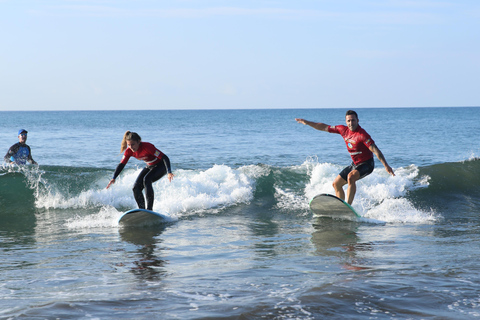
(19, 153)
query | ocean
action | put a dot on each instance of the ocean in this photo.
(241, 242)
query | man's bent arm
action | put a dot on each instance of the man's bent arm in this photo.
(316, 125)
(380, 157)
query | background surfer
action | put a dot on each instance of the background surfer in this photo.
(361, 148)
(158, 164)
(20, 152)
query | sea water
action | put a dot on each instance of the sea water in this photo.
(241, 242)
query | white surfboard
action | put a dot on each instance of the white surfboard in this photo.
(327, 205)
(141, 218)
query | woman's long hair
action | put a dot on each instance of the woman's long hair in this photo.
(129, 136)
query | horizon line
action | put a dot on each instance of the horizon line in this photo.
(227, 109)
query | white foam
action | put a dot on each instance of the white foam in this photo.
(107, 217)
(473, 157)
(380, 196)
(190, 191)
(399, 211)
(321, 179)
(196, 191)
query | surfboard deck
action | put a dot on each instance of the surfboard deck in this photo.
(141, 218)
(327, 205)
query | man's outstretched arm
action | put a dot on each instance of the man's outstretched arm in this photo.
(316, 125)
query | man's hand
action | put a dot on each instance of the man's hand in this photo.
(302, 121)
(316, 125)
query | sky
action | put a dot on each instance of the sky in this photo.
(192, 54)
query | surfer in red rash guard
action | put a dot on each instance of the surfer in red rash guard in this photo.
(361, 148)
(158, 164)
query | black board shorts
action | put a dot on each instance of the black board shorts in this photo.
(365, 168)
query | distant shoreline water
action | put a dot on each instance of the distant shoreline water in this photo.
(234, 109)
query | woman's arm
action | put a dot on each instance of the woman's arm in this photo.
(166, 162)
(116, 173)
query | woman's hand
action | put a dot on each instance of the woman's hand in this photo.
(110, 183)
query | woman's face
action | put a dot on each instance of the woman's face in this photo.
(133, 145)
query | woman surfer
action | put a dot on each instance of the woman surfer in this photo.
(158, 164)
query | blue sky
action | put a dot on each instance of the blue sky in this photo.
(192, 54)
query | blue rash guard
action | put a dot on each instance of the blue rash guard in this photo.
(19, 154)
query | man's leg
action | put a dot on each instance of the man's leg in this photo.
(353, 177)
(338, 184)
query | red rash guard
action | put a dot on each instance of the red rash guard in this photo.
(357, 142)
(146, 152)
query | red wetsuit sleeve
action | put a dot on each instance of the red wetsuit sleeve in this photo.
(126, 156)
(336, 129)
(368, 141)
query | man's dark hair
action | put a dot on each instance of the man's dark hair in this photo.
(351, 112)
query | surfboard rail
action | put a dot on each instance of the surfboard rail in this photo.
(141, 218)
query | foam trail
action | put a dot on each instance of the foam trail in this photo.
(197, 191)
(190, 190)
(380, 197)
(189, 193)
(107, 217)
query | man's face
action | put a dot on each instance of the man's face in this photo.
(22, 138)
(352, 122)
